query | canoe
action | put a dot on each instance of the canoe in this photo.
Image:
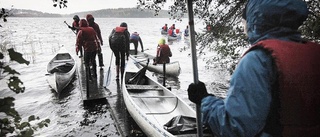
(172, 68)
(163, 32)
(155, 109)
(61, 70)
(177, 37)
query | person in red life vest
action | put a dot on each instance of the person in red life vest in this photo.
(275, 88)
(165, 27)
(119, 41)
(96, 27)
(75, 24)
(171, 31)
(75, 28)
(209, 27)
(88, 39)
(163, 53)
(136, 39)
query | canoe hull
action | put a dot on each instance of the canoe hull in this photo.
(172, 68)
(151, 105)
(61, 70)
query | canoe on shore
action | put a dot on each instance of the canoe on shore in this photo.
(171, 69)
(155, 109)
(61, 70)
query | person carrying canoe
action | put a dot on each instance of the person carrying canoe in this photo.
(274, 90)
(135, 38)
(119, 41)
(88, 39)
(163, 53)
(96, 27)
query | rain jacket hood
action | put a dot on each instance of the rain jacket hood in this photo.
(83, 23)
(277, 19)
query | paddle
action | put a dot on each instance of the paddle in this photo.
(70, 27)
(194, 62)
(107, 76)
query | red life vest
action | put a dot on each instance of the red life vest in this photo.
(298, 66)
(163, 54)
(120, 29)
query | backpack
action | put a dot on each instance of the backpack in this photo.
(118, 38)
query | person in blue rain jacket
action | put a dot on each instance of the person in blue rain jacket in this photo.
(274, 90)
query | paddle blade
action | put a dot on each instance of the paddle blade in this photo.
(107, 78)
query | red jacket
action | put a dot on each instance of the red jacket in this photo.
(87, 38)
(163, 54)
(298, 68)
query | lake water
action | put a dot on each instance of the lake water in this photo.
(39, 39)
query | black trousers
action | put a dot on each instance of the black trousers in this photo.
(90, 59)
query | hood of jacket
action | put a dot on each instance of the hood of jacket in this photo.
(275, 19)
(83, 23)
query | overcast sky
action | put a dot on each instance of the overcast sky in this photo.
(73, 5)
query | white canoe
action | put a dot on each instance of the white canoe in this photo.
(163, 32)
(177, 37)
(153, 106)
(61, 70)
(172, 68)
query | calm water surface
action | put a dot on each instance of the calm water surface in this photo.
(39, 38)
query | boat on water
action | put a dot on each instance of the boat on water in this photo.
(163, 32)
(156, 110)
(61, 70)
(171, 69)
(173, 38)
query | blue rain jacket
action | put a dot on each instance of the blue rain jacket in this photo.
(244, 111)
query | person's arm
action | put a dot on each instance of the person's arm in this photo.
(244, 112)
(79, 41)
(99, 34)
(141, 44)
(127, 43)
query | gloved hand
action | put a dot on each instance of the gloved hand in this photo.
(197, 92)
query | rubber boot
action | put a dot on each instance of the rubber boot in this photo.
(100, 60)
(122, 72)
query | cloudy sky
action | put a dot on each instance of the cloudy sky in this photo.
(73, 5)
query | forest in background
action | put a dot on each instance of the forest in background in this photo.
(104, 13)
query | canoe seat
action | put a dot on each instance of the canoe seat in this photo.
(143, 87)
(153, 97)
(63, 60)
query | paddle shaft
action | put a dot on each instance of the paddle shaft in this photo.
(69, 26)
(109, 71)
(194, 62)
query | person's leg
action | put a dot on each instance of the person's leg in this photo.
(100, 57)
(117, 56)
(81, 51)
(94, 64)
(135, 47)
(123, 62)
(87, 64)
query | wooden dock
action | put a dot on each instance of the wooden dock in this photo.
(91, 89)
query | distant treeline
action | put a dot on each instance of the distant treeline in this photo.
(105, 13)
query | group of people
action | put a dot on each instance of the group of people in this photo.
(275, 88)
(172, 31)
(89, 42)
